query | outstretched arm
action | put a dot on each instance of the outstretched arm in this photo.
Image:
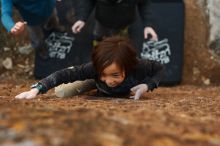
(67, 75)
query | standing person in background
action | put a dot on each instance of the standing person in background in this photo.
(114, 16)
(37, 15)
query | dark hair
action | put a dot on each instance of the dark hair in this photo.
(114, 49)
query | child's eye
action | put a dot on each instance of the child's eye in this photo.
(115, 75)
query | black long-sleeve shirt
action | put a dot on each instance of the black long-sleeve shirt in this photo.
(146, 72)
(115, 15)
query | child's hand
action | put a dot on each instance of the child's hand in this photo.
(76, 28)
(18, 28)
(28, 95)
(139, 90)
(150, 31)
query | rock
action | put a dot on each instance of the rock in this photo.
(206, 81)
(27, 49)
(215, 46)
(6, 49)
(196, 71)
(7, 63)
(31, 73)
(211, 9)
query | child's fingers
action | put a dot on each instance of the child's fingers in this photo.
(137, 94)
(21, 96)
(18, 96)
(137, 91)
(135, 88)
(25, 95)
(30, 96)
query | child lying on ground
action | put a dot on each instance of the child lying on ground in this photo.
(115, 68)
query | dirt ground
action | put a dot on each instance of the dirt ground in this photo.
(169, 116)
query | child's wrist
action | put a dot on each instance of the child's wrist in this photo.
(41, 88)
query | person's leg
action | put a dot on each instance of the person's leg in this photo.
(53, 22)
(100, 31)
(75, 88)
(37, 40)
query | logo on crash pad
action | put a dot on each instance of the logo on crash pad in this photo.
(156, 50)
(59, 45)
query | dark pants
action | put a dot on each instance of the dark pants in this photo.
(36, 33)
(100, 31)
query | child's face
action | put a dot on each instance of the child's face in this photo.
(113, 75)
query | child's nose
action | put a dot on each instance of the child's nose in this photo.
(108, 81)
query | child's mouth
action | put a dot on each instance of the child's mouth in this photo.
(112, 85)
